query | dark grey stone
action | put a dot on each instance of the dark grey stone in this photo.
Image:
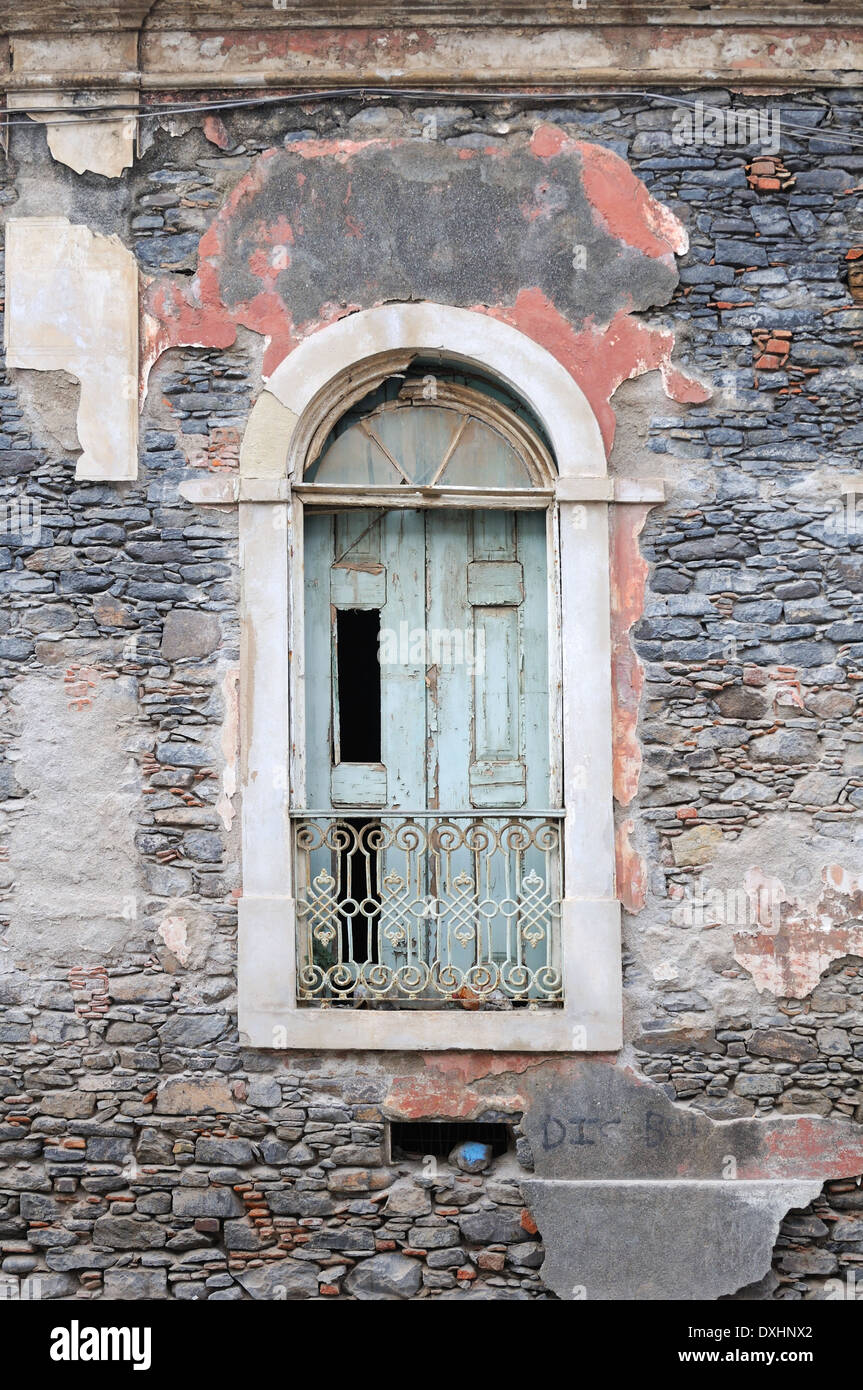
(286, 1280)
(237, 1152)
(127, 1233)
(206, 1201)
(385, 1277)
(492, 1227)
(192, 1030)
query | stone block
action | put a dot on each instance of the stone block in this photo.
(189, 634)
(287, 1280)
(206, 1201)
(697, 846)
(128, 1233)
(237, 1153)
(131, 1285)
(180, 1096)
(386, 1277)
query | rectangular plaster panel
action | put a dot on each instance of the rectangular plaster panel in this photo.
(75, 890)
(664, 1241)
(72, 305)
(36, 53)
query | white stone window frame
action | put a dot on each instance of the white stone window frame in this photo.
(313, 385)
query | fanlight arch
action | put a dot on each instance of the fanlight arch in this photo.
(427, 430)
(336, 367)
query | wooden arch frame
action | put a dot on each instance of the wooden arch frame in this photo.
(471, 403)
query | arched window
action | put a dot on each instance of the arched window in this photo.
(426, 861)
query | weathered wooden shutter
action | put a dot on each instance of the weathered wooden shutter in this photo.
(461, 599)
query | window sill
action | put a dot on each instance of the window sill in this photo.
(589, 1021)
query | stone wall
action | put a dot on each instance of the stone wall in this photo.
(143, 1152)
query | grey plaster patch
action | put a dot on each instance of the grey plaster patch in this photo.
(75, 827)
(604, 1123)
(659, 1240)
(421, 199)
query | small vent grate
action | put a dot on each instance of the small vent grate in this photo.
(439, 1138)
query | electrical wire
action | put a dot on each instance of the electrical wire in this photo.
(110, 114)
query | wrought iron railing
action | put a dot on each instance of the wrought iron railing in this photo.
(428, 908)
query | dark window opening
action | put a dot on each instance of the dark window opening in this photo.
(359, 896)
(359, 683)
(416, 1139)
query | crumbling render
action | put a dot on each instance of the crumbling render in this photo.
(72, 305)
(789, 956)
(690, 1208)
(97, 145)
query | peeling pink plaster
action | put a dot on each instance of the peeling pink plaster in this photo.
(215, 132)
(809, 1148)
(446, 1085)
(339, 150)
(473, 1066)
(600, 358)
(430, 1096)
(629, 572)
(790, 961)
(462, 1085)
(619, 200)
(630, 869)
(174, 932)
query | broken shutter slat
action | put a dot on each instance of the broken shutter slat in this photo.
(357, 588)
(498, 784)
(358, 784)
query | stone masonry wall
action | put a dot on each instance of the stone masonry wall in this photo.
(144, 1153)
